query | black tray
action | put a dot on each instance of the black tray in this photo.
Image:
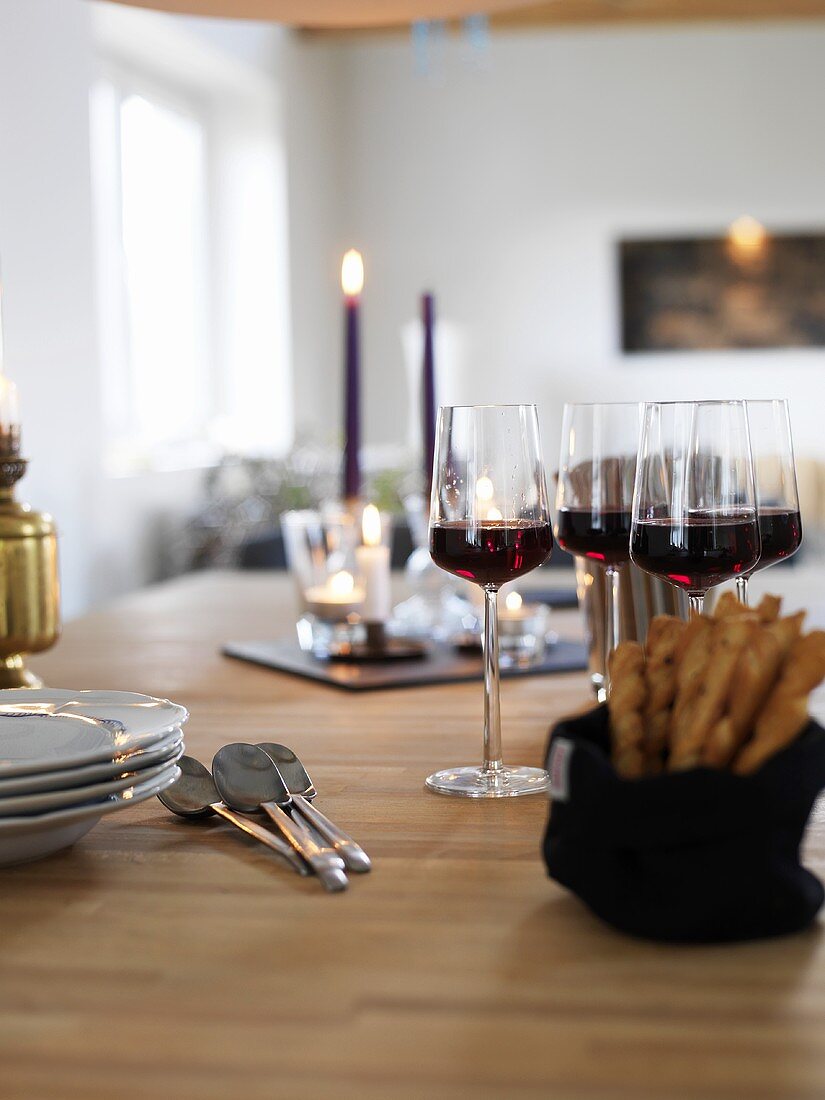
(441, 665)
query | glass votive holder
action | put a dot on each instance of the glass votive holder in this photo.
(523, 631)
(339, 558)
(324, 638)
(320, 554)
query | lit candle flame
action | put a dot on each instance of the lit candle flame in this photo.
(371, 526)
(513, 601)
(342, 584)
(352, 273)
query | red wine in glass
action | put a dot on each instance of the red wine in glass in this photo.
(781, 531)
(602, 535)
(699, 551)
(492, 552)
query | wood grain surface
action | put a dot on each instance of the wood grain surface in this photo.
(166, 958)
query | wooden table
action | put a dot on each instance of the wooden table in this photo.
(164, 958)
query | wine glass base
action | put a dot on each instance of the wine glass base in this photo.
(476, 782)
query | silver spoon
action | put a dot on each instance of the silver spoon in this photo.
(194, 794)
(248, 781)
(301, 788)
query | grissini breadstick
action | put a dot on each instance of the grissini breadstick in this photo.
(723, 691)
(785, 713)
(752, 683)
(626, 701)
(729, 638)
(663, 638)
(787, 630)
(749, 686)
(729, 607)
(692, 657)
(768, 608)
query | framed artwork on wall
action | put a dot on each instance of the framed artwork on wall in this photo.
(748, 289)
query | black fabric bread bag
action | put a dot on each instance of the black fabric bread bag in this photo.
(696, 856)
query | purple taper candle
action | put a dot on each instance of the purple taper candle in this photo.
(352, 282)
(428, 387)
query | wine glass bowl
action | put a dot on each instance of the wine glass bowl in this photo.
(694, 505)
(594, 493)
(780, 522)
(489, 524)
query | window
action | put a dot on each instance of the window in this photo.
(191, 271)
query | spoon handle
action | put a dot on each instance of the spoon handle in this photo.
(328, 866)
(353, 855)
(253, 829)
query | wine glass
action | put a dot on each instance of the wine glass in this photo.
(694, 501)
(594, 494)
(780, 524)
(489, 523)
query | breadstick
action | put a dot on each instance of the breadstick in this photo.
(729, 607)
(785, 713)
(692, 656)
(626, 701)
(787, 630)
(730, 636)
(768, 608)
(752, 680)
(663, 638)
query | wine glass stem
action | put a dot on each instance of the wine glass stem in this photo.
(742, 590)
(697, 603)
(613, 633)
(492, 709)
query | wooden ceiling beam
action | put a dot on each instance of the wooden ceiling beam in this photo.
(591, 13)
(576, 12)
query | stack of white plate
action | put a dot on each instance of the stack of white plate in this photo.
(69, 757)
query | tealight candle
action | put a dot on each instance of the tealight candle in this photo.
(336, 600)
(373, 562)
(517, 617)
(515, 609)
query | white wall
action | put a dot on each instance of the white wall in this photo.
(311, 81)
(110, 528)
(505, 187)
(46, 250)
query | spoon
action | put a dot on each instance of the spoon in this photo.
(301, 788)
(248, 781)
(194, 794)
